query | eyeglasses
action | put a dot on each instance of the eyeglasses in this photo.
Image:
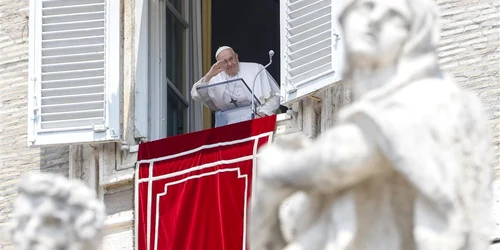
(231, 59)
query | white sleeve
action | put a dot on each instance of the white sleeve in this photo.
(194, 92)
(269, 107)
(265, 92)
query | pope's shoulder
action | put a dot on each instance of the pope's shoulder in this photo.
(250, 66)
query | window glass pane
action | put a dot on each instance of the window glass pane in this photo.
(177, 4)
(175, 49)
(176, 112)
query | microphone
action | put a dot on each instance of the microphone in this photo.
(271, 54)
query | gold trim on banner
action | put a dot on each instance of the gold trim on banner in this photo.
(206, 34)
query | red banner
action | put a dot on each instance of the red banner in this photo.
(192, 191)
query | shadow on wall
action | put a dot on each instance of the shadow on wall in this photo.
(55, 160)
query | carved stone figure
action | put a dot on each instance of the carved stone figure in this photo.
(406, 167)
(52, 212)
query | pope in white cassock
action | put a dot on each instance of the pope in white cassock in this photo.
(227, 68)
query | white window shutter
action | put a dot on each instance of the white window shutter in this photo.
(74, 71)
(311, 47)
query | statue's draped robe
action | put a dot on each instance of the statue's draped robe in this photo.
(427, 188)
(432, 192)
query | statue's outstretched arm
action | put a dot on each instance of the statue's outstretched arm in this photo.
(342, 156)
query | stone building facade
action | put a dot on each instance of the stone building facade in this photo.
(16, 158)
(470, 50)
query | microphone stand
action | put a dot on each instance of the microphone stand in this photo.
(271, 54)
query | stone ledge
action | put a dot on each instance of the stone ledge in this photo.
(283, 117)
(119, 220)
(118, 178)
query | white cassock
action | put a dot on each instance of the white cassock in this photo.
(265, 90)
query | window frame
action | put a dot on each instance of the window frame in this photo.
(165, 81)
(151, 72)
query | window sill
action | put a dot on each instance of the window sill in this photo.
(283, 117)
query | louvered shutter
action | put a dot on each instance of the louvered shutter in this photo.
(311, 47)
(74, 71)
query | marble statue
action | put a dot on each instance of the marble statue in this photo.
(406, 167)
(52, 212)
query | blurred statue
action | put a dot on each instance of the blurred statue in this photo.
(52, 212)
(407, 166)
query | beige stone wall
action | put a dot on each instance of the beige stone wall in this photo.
(16, 159)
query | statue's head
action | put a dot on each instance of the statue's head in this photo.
(52, 212)
(403, 34)
(375, 31)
